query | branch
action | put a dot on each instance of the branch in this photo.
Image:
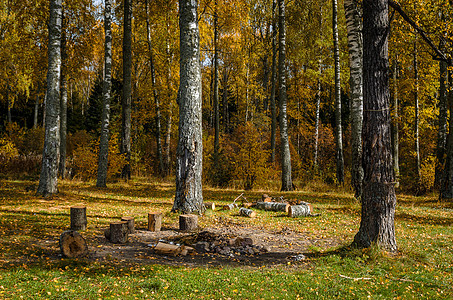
(355, 279)
(396, 6)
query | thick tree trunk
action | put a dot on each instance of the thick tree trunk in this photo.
(273, 81)
(155, 95)
(287, 184)
(446, 191)
(63, 106)
(416, 119)
(51, 153)
(443, 123)
(189, 196)
(395, 125)
(355, 44)
(106, 92)
(127, 90)
(338, 131)
(378, 199)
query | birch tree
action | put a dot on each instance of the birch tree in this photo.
(48, 179)
(189, 197)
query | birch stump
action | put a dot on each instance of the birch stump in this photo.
(188, 222)
(72, 244)
(304, 209)
(118, 232)
(78, 217)
(154, 221)
(130, 224)
(247, 212)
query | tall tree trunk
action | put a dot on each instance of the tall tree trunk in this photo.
(155, 95)
(103, 159)
(443, 123)
(189, 196)
(36, 111)
(63, 104)
(216, 87)
(378, 199)
(48, 179)
(225, 100)
(416, 119)
(395, 124)
(446, 191)
(170, 102)
(355, 44)
(338, 131)
(127, 89)
(287, 184)
(273, 81)
(318, 105)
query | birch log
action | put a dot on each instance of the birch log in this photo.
(247, 212)
(302, 210)
(273, 206)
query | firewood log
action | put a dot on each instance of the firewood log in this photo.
(167, 249)
(273, 206)
(154, 221)
(247, 212)
(302, 210)
(72, 244)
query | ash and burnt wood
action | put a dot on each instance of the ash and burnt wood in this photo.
(130, 224)
(118, 232)
(78, 217)
(72, 244)
(379, 199)
(154, 221)
(188, 222)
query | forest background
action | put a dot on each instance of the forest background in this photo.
(245, 30)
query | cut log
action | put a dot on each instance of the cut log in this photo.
(186, 250)
(154, 221)
(266, 198)
(230, 206)
(167, 249)
(247, 204)
(118, 232)
(247, 212)
(273, 206)
(78, 218)
(130, 224)
(210, 205)
(72, 244)
(188, 222)
(304, 209)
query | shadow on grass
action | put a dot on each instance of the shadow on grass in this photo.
(430, 220)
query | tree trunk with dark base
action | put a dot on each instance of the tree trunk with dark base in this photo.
(378, 199)
(106, 96)
(63, 105)
(189, 196)
(51, 153)
(127, 90)
(287, 184)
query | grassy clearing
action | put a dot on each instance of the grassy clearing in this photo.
(33, 270)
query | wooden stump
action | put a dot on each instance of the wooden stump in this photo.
(118, 232)
(154, 221)
(188, 222)
(72, 244)
(247, 212)
(302, 210)
(130, 224)
(273, 206)
(209, 205)
(78, 217)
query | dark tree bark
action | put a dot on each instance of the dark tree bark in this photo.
(155, 94)
(287, 184)
(338, 131)
(63, 103)
(216, 87)
(49, 172)
(103, 160)
(355, 44)
(189, 197)
(442, 123)
(446, 191)
(127, 89)
(378, 199)
(273, 81)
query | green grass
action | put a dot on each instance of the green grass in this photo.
(32, 270)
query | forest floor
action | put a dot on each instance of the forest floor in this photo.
(312, 249)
